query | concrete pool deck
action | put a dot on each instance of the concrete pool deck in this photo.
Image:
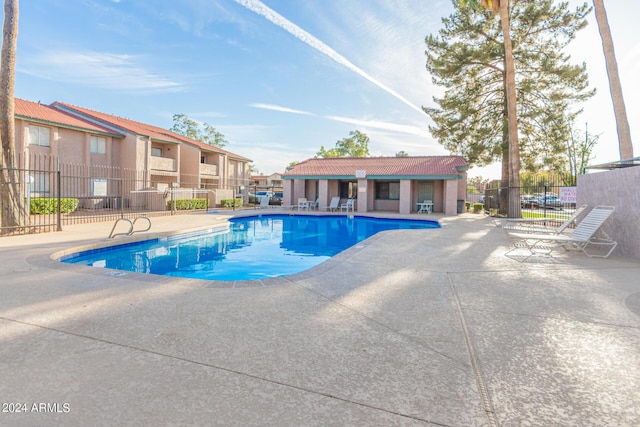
(411, 327)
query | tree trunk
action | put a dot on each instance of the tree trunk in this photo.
(624, 134)
(503, 194)
(514, 208)
(13, 209)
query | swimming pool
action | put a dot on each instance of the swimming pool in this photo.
(256, 247)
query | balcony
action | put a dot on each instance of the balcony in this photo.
(208, 170)
(163, 164)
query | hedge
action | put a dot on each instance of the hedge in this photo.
(188, 204)
(49, 205)
(478, 207)
(229, 203)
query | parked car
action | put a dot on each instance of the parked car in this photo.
(550, 202)
(528, 201)
(276, 199)
(261, 194)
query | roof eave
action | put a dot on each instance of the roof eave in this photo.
(164, 141)
(65, 126)
(378, 177)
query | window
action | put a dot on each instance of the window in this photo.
(348, 190)
(98, 145)
(156, 152)
(39, 135)
(388, 190)
(203, 159)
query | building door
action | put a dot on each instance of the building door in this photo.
(425, 191)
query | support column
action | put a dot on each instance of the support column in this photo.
(287, 190)
(323, 194)
(450, 197)
(406, 201)
(362, 199)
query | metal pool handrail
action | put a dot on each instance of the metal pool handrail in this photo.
(131, 227)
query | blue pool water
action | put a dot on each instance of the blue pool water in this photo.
(257, 247)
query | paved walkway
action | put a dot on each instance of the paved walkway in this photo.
(412, 327)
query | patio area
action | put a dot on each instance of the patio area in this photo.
(410, 327)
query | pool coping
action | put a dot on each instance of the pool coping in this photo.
(54, 260)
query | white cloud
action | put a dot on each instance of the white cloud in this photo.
(281, 109)
(97, 69)
(394, 127)
(277, 19)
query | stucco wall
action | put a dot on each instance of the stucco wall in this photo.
(69, 145)
(450, 197)
(617, 188)
(189, 161)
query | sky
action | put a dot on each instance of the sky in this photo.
(280, 78)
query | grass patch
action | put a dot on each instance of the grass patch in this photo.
(549, 215)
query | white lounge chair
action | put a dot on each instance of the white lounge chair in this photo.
(348, 206)
(582, 237)
(264, 202)
(303, 204)
(539, 225)
(335, 201)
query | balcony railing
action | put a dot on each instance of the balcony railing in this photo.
(209, 170)
(164, 164)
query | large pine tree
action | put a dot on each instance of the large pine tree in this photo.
(467, 58)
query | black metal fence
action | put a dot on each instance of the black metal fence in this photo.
(540, 197)
(56, 194)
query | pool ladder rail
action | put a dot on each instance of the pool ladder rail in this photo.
(131, 227)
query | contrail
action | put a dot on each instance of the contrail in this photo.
(282, 22)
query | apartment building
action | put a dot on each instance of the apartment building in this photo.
(106, 148)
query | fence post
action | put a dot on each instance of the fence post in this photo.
(58, 184)
(173, 199)
(121, 198)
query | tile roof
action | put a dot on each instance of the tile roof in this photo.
(45, 114)
(379, 167)
(144, 129)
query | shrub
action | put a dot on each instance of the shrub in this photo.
(477, 207)
(230, 203)
(189, 204)
(49, 205)
(467, 205)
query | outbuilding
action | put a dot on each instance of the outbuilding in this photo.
(391, 184)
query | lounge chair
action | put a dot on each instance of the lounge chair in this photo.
(539, 225)
(264, 202)
(335, 201)
(348, 206)
(303, 204)
(582, 237)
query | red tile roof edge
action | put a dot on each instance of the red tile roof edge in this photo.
(380, 166)
(45, 114)
(144, 129)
